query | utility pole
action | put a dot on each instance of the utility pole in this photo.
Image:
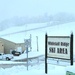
(37, 42)
(27, 56)
(27, 45)
(30, 42)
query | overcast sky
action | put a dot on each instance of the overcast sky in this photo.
(11, 8)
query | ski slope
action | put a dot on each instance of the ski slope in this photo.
(36, 30)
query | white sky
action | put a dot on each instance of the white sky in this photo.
(11, 8)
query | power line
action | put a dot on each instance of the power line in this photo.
(27, 30)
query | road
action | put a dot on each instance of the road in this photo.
(31, 61)
(10, 65)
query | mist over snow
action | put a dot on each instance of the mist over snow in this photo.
(59, 18)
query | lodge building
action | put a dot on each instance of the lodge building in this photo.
(6, 46)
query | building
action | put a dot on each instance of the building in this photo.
(1, 47)
(20, 46)
(6, 46)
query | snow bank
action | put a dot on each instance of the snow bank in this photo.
(31, 54)
(33, 70)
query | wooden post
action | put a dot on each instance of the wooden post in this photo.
(71, 48)
(46, 53)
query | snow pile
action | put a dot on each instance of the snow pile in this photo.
(31, 54)
(71, 69)
(33, 70)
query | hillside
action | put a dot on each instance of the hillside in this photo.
(18, 34)
(58, 18)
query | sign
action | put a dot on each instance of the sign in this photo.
(27, 42)
(58, 47)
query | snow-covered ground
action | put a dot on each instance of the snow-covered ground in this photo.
(39, 68)
(54, 67)
(31, 54)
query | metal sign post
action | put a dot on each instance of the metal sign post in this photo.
(27, 44)
(27, 56)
